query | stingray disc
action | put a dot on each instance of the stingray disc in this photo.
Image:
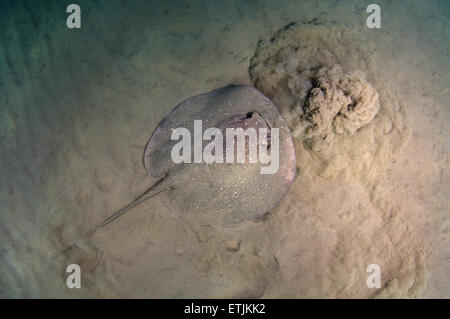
(222, 194)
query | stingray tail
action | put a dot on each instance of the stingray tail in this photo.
(149, 193)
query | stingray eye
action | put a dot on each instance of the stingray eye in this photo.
(266, 141)
(269, 139)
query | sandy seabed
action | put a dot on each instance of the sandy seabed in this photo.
(77, 108)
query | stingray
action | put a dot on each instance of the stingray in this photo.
(216, 194)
